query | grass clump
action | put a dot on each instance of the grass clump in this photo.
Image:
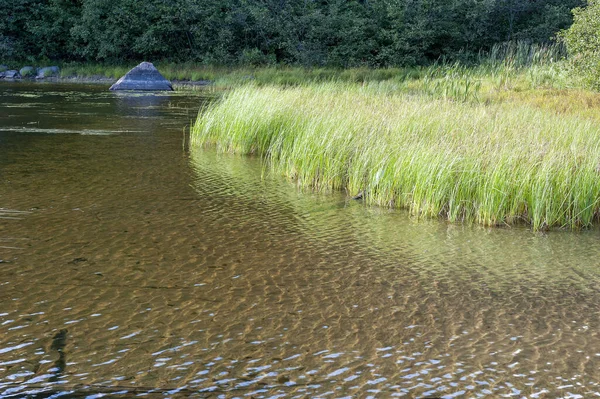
(92, 70)
(490, 163)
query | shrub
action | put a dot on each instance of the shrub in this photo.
(583, 42)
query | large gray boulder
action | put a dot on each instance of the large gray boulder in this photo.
(47, 72)
(12, 74)
(28, 72)
(143, 77)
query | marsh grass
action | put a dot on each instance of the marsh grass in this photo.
(89, 70)
(492, 164)
(514, 66)
(227, 77)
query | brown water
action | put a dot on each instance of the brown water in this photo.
(132, 267)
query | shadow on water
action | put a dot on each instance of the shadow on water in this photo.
(140, 104)
(59, 342)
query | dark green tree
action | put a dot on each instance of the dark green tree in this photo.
(340, 33)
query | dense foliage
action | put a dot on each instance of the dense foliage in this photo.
(257, 32)
(583, 42)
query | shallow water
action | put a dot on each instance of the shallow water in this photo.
(131, 266)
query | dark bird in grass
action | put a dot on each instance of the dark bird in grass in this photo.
(359, 196)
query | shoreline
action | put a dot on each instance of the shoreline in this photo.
(103, 79)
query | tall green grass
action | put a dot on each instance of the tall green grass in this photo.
(466, 161)
(94, 70)
(507, 66)
(519, 54)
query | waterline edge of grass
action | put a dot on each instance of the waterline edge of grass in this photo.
(495, 164)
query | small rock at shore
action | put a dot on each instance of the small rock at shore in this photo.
(143, 77)
(47, 72)
(3, 68)
(12, 74)
(27, 72)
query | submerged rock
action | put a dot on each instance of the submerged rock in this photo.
(47, 72)
(143, 77)
(12, 74)
(27, 72)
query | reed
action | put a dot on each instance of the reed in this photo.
(91, 70)
(504, 66)
(490, 163)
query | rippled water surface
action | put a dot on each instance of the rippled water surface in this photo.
(131, 266)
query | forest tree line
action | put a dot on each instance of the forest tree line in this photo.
(339, 33)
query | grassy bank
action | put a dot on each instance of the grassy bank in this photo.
(512, 63)
(445, 75)
(490, 162)
(228, 77)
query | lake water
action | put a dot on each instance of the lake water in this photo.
(132, 266)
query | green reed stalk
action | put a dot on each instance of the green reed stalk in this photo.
(491, 164)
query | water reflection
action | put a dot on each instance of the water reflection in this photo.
(141, 104)
(130, 268)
